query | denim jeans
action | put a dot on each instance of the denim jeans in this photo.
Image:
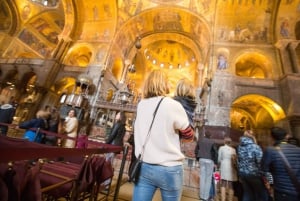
(253, 188)
(206, 172)
(168, 179)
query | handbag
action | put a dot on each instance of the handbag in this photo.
(33, 136)
(135, 168)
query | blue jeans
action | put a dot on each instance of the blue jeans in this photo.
(168, 179)
(253, 188)
(206, 172)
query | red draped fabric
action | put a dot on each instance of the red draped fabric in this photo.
(20, 180)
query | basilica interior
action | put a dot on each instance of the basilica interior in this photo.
(243, 57)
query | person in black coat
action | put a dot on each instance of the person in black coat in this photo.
(117, 133)
(7, 112)
(206, 152)
(53, 123)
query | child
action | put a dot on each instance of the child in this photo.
(82, 138)
(185, 94)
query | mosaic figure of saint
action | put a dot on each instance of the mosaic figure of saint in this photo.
(222, 62)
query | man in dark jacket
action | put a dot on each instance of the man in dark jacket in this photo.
(7, 112)
(283, 186)
(205, 152)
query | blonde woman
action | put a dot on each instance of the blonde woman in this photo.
(162, 166)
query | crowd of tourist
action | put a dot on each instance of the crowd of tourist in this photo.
(262, 173)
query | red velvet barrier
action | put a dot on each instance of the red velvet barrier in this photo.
(20, 182)
(23, 182)
(54, 173)
(14, 149)
(94, 171)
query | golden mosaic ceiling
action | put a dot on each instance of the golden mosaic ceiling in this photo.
(42, 23)
(187, 38)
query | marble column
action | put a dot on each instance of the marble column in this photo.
(293, 56)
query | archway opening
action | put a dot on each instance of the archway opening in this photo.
(253, 65)
(258, 113)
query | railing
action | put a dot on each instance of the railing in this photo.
(116, 106)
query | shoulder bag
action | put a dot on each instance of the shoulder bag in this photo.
(32, 135)
(134, 171)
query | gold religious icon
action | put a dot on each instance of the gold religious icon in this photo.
(109, 94)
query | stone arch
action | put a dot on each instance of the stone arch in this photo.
(80, 55)
(10, 86)
(12, 77)
(144, 24)
(64, 85)
(28, 81)
(10, 23)
(253, 64)
(255, 112)
(163, 24)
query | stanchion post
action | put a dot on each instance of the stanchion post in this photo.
(125, 152)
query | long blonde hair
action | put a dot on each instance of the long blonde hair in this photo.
(156, 84)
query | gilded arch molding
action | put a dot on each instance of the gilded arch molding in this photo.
(170, 20)
(173, 24)
(257, 109)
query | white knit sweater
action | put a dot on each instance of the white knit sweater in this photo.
(163, 146)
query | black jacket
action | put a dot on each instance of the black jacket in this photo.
(34, 123)
(206, 148)
(117, 133)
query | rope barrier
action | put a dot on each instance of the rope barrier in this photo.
(13, 149)
(60, 135)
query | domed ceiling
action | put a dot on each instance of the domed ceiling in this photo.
(181, 36)
(38, 25)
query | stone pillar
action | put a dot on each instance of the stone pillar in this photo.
(58, 55)
(281, 45)
(293, 56)
(94, 73)
(295, 127)
(219, 102)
